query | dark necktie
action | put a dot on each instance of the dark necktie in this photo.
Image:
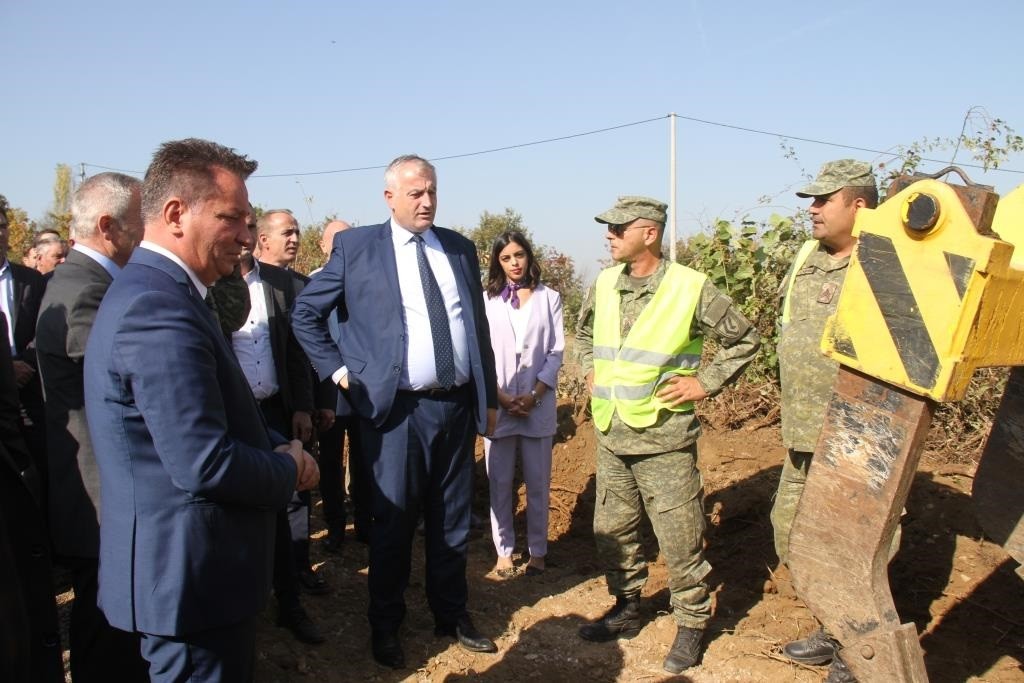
(444, 357)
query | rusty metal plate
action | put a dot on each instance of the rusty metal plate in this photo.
(857, 484)
(998, 493)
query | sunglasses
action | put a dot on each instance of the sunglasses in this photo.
(620, 230)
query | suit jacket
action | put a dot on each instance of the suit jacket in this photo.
(29, 286)
(65, 319)
(361, 280)
(541, 359)
(29, 633)
(294, 373)
(190, 483)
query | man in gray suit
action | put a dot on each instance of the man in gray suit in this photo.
(106, 224)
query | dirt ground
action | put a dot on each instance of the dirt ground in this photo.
(958, 588)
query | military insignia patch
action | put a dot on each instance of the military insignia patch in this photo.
(828, 291)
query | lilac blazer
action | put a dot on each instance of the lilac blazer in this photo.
(541, 359)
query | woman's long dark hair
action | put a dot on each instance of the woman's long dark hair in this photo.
(496, 274)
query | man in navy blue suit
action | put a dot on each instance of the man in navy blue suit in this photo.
(190, 475)
(414, 360)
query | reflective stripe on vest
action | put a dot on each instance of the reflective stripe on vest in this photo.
(658, 347)
(806, 249)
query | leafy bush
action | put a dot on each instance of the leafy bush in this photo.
(748, 262)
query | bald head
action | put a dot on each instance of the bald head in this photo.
(330, 230)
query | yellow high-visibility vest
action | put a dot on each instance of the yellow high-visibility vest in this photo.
(806, 249)
(658, 347)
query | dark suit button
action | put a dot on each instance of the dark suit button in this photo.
(37, 550)
(51, 640)
(397, 369)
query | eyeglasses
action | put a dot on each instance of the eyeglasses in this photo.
(620, 230)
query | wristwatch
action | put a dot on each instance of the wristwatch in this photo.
(536, 398)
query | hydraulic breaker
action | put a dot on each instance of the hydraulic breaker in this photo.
(931, 294)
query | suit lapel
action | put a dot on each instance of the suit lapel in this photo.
(273, 311)
(388, 263)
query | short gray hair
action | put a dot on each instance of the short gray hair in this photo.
(104, 193)
(263, 222)
(391, 174)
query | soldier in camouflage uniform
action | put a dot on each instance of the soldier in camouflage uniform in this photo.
(229, 299)
(809, 294)
(654, 467)
(229, 296)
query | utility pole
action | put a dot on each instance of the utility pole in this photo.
(672, 187)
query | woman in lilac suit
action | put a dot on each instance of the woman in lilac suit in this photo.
(526, 332)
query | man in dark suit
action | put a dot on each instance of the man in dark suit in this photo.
(106, 224)
(281, 379)
(332, 447)
(29, 636)
(414, 356)
(277, 243)
(21, 291)
(190, 475)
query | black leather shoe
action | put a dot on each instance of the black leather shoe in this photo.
(465, 632)
(302, 627)
(817, 648)
(621, 621)
(685, 650)
(387, 650)
(312, 583)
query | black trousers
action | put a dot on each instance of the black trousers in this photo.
(332, 478)
(291, 524)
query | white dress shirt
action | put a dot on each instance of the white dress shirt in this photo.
(418, 371)
(252, 341)
(519, 317)
(7, 306)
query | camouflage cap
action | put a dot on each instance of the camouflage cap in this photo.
(629, 208)
(835, 175)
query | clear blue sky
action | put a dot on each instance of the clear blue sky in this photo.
(312, 86)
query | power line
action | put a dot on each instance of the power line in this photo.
(597, 131)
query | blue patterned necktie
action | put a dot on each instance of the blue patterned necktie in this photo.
(440, 332)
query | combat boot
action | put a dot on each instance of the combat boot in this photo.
(817, 648)
(838, 672)
(685, 650)
(621, 621)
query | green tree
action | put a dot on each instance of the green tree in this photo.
(989, 141)
(59, 216)
(21, 231)
(558, 270)
(310, 257)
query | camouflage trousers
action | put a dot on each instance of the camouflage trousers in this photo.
(669, 487)
(787, 499)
